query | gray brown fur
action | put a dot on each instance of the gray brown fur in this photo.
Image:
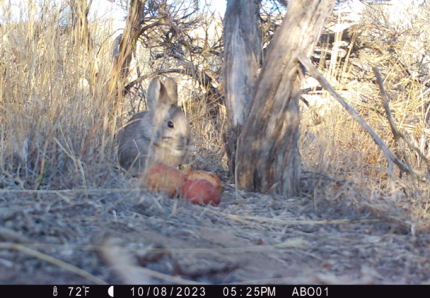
(148, 139)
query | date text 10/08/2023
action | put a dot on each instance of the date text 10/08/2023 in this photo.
(228, 291)
(202, 291)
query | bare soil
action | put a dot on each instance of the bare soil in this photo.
(123, 235)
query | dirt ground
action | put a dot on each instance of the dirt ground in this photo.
(118, 234)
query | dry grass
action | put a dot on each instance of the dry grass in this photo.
(352, 222)
(59, 118)
(342, 149)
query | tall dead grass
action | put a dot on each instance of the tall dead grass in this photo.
(342, 149)
(58, 117)
(53, 98)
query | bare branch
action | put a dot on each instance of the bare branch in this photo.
(391, 157)
(396, 132)
(204, 79)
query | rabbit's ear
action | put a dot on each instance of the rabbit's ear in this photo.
(172, 91)
(153, 94)
(159, 93)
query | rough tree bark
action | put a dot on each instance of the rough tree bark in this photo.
(267, 156)
(126, 44)
(241, 55)
(122, 54)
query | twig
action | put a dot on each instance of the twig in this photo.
(396, 132)
(390, 156)
(68, 191)
(170, 279)
(11, 235)
(274, 221)
(54, 261)
(122, 262)
(117, 257)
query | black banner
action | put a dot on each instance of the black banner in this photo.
(122, 291)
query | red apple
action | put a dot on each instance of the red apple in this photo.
(201, 192)
(211, 177)
(162, 178)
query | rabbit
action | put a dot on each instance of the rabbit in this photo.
(161, 135)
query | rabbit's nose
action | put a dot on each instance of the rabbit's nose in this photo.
(184, 141)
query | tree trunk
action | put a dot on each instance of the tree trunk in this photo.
(124, 47)
(241, 57)
(268, 158)
(126, 44)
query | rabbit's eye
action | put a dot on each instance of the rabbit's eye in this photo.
(170, 124)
